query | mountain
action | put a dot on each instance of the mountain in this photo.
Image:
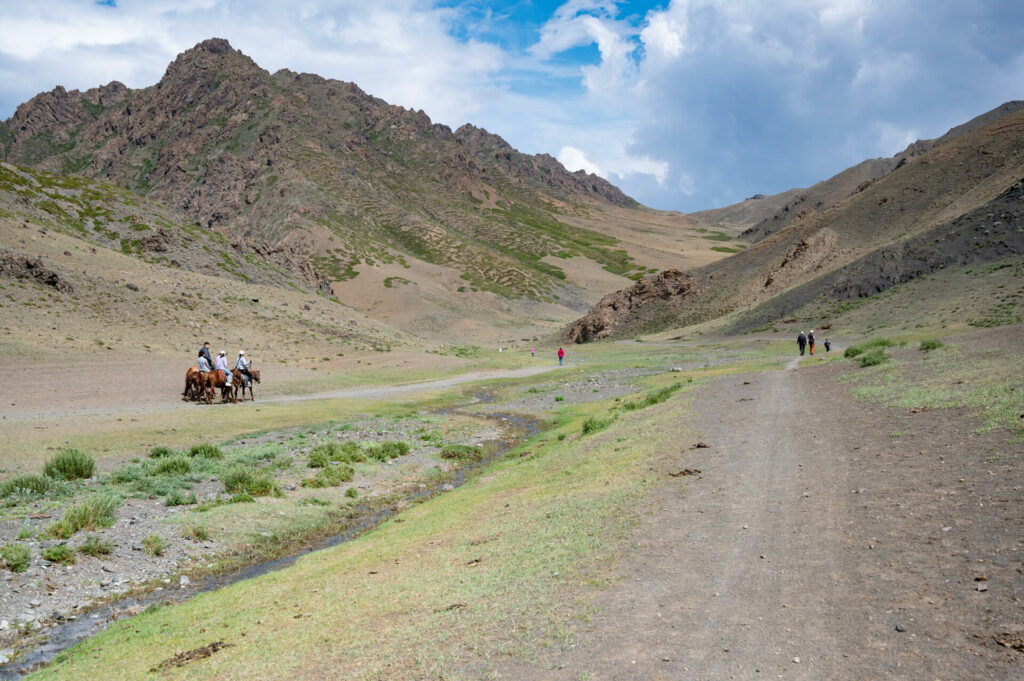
(404, 219)
(954, 203)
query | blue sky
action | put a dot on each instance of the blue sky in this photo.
(685, 104)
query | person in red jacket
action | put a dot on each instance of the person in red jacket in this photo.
(561, 354)
(810, 341)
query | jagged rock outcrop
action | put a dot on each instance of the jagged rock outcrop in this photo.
(33, 269)
(617, 309)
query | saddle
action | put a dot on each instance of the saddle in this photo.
(223, 374)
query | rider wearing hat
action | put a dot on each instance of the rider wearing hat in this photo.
(221, 364)
(242, 364)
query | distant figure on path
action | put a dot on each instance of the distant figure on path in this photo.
(561, 354)
(801, 340)
(531, 352)
(828, 346)
(810, 341)
(205, 352)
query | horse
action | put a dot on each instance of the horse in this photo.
(240, 383)
(213, 380)
(193, 390)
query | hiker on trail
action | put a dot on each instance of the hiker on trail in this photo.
(801, 340)
(810, 341)
(205, 352)
(531, 352)
(203, 361)
(828, 346)
(242, 364)
(561, 354)
(221, 364)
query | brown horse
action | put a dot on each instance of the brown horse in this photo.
(193, 391)
(239, 383)
(213, 380)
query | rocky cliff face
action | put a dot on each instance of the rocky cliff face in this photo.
(299, 163)
(629, 307)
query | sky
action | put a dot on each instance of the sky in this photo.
(684, 104)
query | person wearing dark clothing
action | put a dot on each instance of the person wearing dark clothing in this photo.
(205, 352)
(810, 341)
(828, 346)
(801, 341)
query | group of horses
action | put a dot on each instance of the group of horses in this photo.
(202, 385)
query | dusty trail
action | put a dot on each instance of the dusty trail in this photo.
(800, 549)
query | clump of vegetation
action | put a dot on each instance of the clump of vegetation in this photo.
(25, 485)
(59, 554)
(335, 452)
(462, 452)
(176, 498)
(69, 464)
(241, 498)
(382, 451)
(87, 514)
(596, 423)
(314, 501)
(873, 357)
(652, 398)
(154, 545)
(96, 547)
(196, 533)
(206, 451)
(332, 476)
(931, 344)
(559, 398)
(245, 481)
(161, 452)
(861, 348)
(352, 493)
(26, 532)
(175, 465)
(15, 557)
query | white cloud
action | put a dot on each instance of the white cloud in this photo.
(574, 159)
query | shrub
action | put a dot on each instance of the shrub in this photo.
(387, 450)
(15, 557)
(206, 451)
(132, 473)
(26, 532)
(25, 485)
(87, 514)
(154, 545)
(176, 498)
(175, 465)
(255, 484)
(462, 452)
(352, 492)
(344, 452)
(241, 498)
(319, 458)
(95, 547)
(596, 423)
(873, 344)
(558, 398)
(69, 464)
(59, 554)
(931, 344)
(196, 533)
(873, 357)
(314, 501)
(161, 452)
(332, 476)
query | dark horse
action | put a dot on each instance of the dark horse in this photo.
(193, 387)
(240, 383)
(213, 380)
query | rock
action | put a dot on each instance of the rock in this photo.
(796, 660)
(5, 625)
(900, 628)
(447, 487)
(5, 656)
(981, 586)
(35, 603)
(184, 582)
(104, 583)
(136, 547)
(676, 369)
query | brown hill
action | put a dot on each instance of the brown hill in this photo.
(956, 204)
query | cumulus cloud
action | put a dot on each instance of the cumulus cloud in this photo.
(574, 159)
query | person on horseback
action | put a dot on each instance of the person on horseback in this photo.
(242, 364)
(221, 364)
(203, 361)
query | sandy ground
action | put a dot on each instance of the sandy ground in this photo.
(816, 545)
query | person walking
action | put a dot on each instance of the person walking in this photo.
(828, 346)
(810, 341)
(561, 355)
(531, 352)
(801, 341)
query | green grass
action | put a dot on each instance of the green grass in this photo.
(177, 498)
(96, 547)
(332, 476)
(930, 344)
(383, 451)
(15, 557)
(873, 344)
(459, 452)
(25, 485)
(652, 398)
(61, 553)
(88, 513)
(873, 357)
(196, 533)
(206, 451)
(69, 464)
(173, 465)
(595, 423)
(246, 481)
(154, 545)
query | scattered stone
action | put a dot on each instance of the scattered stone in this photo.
(5, 625)
(181, 659)
(700, 445)
(796, 660)
(35, 603)
(184, 582)
(686, 471)
(981, 586)
(900, 628)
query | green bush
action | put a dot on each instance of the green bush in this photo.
(596, 423)
(161, 452)
(558, 398)
(196, 533)
(931, 344)
(253, 483)
(86, 514)
(176, 498)
(154, 545)
(95, 547)
(25, 485)
(15, 557)
(352, 492)
(332, 476)
(873, 344)
(26, 532)
(320, 457)
(241, 498)
(462, 452)
(69, 464)
(174, 465)
(382, 451)
(873, 357)
(59, 554)
(206, 451)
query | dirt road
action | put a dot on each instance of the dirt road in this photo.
(817, 545)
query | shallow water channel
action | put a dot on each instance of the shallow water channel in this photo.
(89, 623)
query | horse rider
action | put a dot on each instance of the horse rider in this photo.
(221, 364)
(203, 361)
(243, 364)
